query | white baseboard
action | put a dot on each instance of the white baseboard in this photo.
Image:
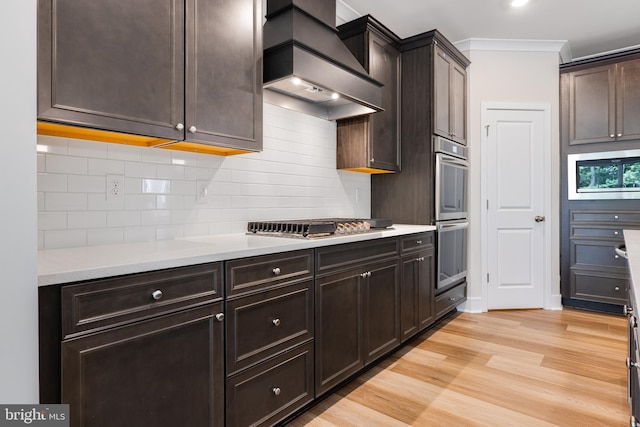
(471, 305)
(556, 302)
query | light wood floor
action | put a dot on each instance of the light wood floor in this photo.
(502, 368)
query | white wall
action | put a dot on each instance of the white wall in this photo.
(517, 77)
(170, 194)
(18, 291)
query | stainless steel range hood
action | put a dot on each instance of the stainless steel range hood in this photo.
(307, 68)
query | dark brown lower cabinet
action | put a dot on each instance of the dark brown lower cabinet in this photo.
(357, 319)
(266, 393)
(417, 290)
(167, 371)
(449, 299)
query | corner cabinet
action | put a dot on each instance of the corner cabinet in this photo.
(178, 71)
(604, 103)
(371, 143)
(449, 97)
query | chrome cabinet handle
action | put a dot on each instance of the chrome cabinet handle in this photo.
(156, 295)
(612, 135)
(418, 242)
(619, 135)
(628, 310)
(633, 322)
(193, 129)
(276, 271)
(276, 322)
(615, 233)
(180, 126)
(365, 274)
(631, 364)
(615, 217)
(220, 317)
(452, 299)
(276, 391)
(616, 256)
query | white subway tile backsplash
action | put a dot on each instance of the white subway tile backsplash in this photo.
(139, 202)
(106, 167)
(87, 220)
(123, 218)
(140, 170)
(87, 184)
(156, 186)
(81, 148)
(54, 239)
(52, 220)
(52, 182)
(105, 236)
(66, 164)
(65, 202)
(171, 194)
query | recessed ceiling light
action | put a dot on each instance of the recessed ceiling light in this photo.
(335, 95)
(519, 3)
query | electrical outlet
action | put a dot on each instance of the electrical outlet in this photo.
(203, 191)
(115, 187)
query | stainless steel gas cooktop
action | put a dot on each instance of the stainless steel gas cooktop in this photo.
(310, 228)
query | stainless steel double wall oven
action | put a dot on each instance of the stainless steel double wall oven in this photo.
(451, 180)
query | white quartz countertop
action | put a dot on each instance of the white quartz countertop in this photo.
(56, 266)
(632, 243)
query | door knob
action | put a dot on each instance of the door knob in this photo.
(539, 218)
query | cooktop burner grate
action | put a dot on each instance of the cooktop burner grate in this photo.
(315, 227)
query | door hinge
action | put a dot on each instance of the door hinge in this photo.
(487, 128)
(487, 204)
(487, 277)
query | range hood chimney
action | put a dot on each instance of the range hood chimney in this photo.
(307, 68)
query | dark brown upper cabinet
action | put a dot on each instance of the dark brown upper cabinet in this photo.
(186, 72)
(604, 103)
(371, 143)
(449, 97)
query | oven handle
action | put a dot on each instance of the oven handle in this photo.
(451, 160)
(450, 227)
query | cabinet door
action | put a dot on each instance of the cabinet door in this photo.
(417, 292)
(458, 104)
(113, 67)
(628, 100)
(224, 73)
(382, 309)
(441, 93)
(167, 371)
(384, 66)
(592, 105)
(339, 351)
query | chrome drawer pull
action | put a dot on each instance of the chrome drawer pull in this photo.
(418, 242)
(220, 317)
(276, 271)
(276, 391)
(276, 322)
(157, 294)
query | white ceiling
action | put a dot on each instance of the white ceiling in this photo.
(590, 26)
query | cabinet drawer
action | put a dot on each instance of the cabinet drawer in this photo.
(446, 301)
(118, 300)
(586, 253)
(330, 258)
(417, 242)
(605, 216)
(599, 232)
(262, 272)
(599, 286)
(269, 392)
(264, 324)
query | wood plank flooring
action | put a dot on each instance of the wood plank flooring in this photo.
(502, 368)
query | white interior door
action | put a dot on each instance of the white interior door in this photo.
(515, 208)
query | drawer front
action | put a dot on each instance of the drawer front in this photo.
(586, 253)
(262, 325)
(269, 392)
(446, 301)
(600, 232)
(604, 216)
(417, 242)
(262, 272)
(599, 286)
(347, 255)
(118, 300)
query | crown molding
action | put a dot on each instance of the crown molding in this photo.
(345, 13)
(516, 45)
